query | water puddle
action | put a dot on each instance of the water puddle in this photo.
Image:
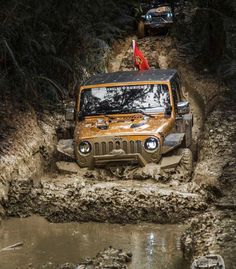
(153, 246)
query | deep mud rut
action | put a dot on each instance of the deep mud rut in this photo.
(170, 199)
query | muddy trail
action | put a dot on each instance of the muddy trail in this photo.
(166, 198)
(204, 195)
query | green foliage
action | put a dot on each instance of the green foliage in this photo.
(207, 35)
(48, 47)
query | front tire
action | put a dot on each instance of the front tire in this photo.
(187, 159)
(186, 164)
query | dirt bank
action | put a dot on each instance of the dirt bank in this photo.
(27, 145)
(215, 230)
(30, 145)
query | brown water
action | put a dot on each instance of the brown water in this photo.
(152, 245)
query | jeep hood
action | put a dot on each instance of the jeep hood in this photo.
(103, 126)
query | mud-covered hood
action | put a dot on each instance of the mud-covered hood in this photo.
(95, 127)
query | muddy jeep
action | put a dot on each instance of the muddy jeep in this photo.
(156, 18)
(133, 117)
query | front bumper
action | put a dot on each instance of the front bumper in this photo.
(101, 161)
(115, 150)
(158, 24)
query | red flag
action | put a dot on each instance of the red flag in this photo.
(139, 60)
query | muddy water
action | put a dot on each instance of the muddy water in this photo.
(153, 246)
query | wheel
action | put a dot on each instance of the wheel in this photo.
(141, 29)
(187, 159)
(117, 171)
(185, 166)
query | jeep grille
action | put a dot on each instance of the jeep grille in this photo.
(103, 148)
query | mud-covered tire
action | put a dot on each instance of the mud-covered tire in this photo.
(117, 171)
(186, 162)
(141, 29)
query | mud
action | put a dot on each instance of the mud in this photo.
(74, 199)
(181, 173)
(32, 144)
(217, 146)
(214, 231)
(80, 197)
(27, 189)
(27, 149)
(49, 245)
(109, 258)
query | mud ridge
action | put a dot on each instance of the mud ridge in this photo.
(78, 200)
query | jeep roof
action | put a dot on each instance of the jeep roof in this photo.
(132, 76)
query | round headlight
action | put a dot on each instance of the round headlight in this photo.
(148, 17)
(151, 143)
(85, 147)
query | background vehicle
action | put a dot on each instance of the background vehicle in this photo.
(132, 117)
(156, 16)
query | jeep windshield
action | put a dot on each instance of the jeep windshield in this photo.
(125, 99)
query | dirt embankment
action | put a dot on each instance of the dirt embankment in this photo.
(27, 146)
(214, 231)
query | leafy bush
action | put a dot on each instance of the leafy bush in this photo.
(206, 32)
(48, 47)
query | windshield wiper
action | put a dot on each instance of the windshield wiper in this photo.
(144, 113)
(103, 113)
(117, 111)
(139, 110)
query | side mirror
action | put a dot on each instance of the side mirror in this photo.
(183, 107)
(69, 114)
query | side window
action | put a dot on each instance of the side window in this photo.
(175, 91)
